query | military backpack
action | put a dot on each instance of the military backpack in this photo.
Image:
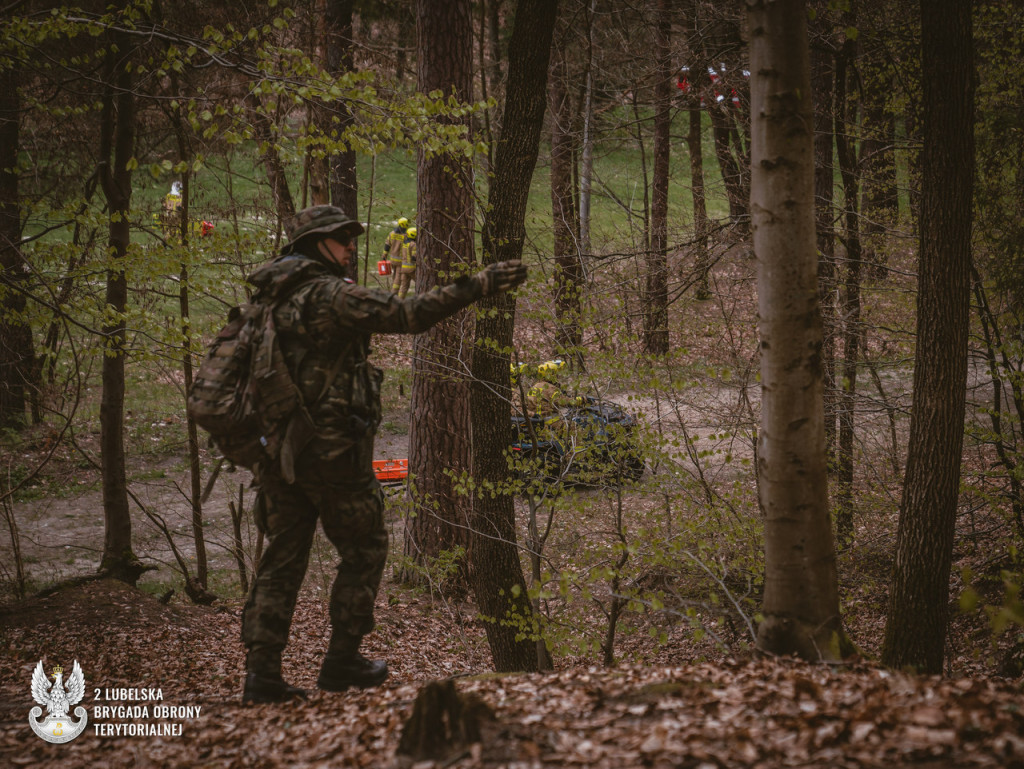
(243, 394)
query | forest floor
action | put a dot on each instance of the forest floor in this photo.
(722, 712)
(675, 698)
(674, 702)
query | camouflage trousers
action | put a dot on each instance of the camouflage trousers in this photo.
(344, 495)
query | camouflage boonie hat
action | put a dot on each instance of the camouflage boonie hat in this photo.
(319, 219)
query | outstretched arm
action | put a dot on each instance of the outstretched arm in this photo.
(376, 311)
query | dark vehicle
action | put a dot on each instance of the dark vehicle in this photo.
(590, 442)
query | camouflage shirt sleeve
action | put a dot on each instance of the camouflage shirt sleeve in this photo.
(341, 306)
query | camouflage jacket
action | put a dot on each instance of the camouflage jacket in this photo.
(324, 323)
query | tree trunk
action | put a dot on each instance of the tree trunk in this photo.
(568, 268)
(439, 436)
(493, 12)
(17, 353)
(801, 602)
(195, 467)
(495, 574)
(915, 632)
(406, 13)
(695, 145)
(727, 163)
(656, 309)
(700, 211)
(443, 724)
(879, 206)
(851, 330)
(117, 136)
(343, 181)
(284, 206)
(822, 76)
(587, 159)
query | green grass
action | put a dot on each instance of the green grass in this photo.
(232, 190)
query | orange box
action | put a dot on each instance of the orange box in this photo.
(391, 469)
(383, 267)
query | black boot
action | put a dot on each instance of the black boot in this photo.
(344, 666)
(263, 682)
(260, 688)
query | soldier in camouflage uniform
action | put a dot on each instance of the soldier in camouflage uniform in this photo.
(324, 322)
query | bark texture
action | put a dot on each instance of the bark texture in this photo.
(565, 217)
(343, 182)
(822, 75)
(656, 311)
(117, 147)
(801, 603)
(496, 575)
(439, 437)
(915, 632)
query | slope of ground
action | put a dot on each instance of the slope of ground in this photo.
(721, 713)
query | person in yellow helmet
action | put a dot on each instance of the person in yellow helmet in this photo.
(545, 398)
(170, 216)
(393, 250)
(408, 268)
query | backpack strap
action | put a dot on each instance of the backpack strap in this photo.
(301, 429)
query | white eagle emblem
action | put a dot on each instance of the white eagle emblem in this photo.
(57, 700)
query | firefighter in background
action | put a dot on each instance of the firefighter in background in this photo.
(546, 398)
(393, 250)
(408, 266)
(170, 216)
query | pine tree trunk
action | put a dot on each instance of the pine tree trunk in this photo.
(915, 632)
(439, 436)
(801, 602)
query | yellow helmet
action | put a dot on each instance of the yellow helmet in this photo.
(549, 367)
(403, 222)
(411, 233)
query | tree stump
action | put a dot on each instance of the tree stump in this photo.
(443, 723)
